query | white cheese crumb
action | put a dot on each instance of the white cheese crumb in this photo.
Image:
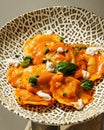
(49, 66)
(13, 62)
(100, 67)
(60, 50)
(45, 96)
(79, 104)
(92, 50)
(85, 74)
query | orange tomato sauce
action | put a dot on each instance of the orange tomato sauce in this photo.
(55, 86)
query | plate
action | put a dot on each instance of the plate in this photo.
(77, 26)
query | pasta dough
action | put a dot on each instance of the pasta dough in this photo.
(54, 69)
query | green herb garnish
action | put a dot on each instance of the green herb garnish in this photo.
(65, 67)
(46, 51)
(75, 53)
(26, 61)
(87, 84)
(44, 60)
(33, 80)
(61, 38)
(80, 47)
(64, 94)
(19, 99)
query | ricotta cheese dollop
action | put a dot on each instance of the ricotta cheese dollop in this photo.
(85, 74)
(44, 95)
(79, 104)
(49, 66)
(60, 50)
(92, 50)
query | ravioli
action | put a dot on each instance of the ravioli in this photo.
(52, 71)
(25, 97)
(67, 90)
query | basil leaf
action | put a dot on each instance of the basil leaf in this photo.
(65, 67)
(26, 61)
(87, 84)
